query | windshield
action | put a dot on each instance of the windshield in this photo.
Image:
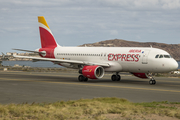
(163, 56)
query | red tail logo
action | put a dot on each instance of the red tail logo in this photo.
(47, 38)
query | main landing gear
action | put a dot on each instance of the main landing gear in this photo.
(116, 77)
(81, 78)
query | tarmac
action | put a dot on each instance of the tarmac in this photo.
(38, 87)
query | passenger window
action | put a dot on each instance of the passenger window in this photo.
(157, 56)
(161, 56)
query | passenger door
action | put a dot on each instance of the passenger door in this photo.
(145, 54)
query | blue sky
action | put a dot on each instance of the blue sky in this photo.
(76, 22)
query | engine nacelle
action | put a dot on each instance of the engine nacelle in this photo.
(141, 75)
(93, 72)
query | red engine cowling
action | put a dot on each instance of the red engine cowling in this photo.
(141, 75)
(93, 72)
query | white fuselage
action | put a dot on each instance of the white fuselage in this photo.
(120, 59)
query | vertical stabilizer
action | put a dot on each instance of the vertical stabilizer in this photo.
(46, 36)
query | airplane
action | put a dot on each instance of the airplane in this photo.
(93, 62)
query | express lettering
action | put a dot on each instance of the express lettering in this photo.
(123, 57)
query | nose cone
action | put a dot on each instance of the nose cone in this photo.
(174, 65)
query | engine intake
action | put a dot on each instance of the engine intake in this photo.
(92, 72)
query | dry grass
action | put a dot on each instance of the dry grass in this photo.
(84, 109)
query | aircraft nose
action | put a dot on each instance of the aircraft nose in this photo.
(174, 65)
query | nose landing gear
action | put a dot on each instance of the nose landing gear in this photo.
(152, 80)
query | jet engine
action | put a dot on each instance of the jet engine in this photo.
(92, 72)
(141, 75)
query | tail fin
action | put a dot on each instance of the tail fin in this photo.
(47, 38)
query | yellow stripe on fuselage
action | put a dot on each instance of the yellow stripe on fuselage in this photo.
(42, 20)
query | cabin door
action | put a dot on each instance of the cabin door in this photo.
(145, 54)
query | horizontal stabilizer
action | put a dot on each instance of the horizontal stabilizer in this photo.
(30, 51)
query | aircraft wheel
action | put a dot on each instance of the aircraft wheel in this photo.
(113, 77)
(86, 79)
(81, 78)
(152, 82)
(118, 77)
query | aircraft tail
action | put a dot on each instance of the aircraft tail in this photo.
(46, 36)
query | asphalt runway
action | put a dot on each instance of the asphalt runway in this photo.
(29, 87)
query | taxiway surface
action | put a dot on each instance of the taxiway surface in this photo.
(22, 87)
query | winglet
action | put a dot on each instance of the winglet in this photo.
(47, 38)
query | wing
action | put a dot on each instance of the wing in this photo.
(58, 61)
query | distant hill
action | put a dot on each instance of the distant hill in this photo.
(173, 49)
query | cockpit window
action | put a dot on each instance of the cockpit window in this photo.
(157, 56)
(161, 56)
(167, 56)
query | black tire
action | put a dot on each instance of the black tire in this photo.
(113, 77)
(152, 82)
(118, 77)
(85, 79)
(81, 78)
